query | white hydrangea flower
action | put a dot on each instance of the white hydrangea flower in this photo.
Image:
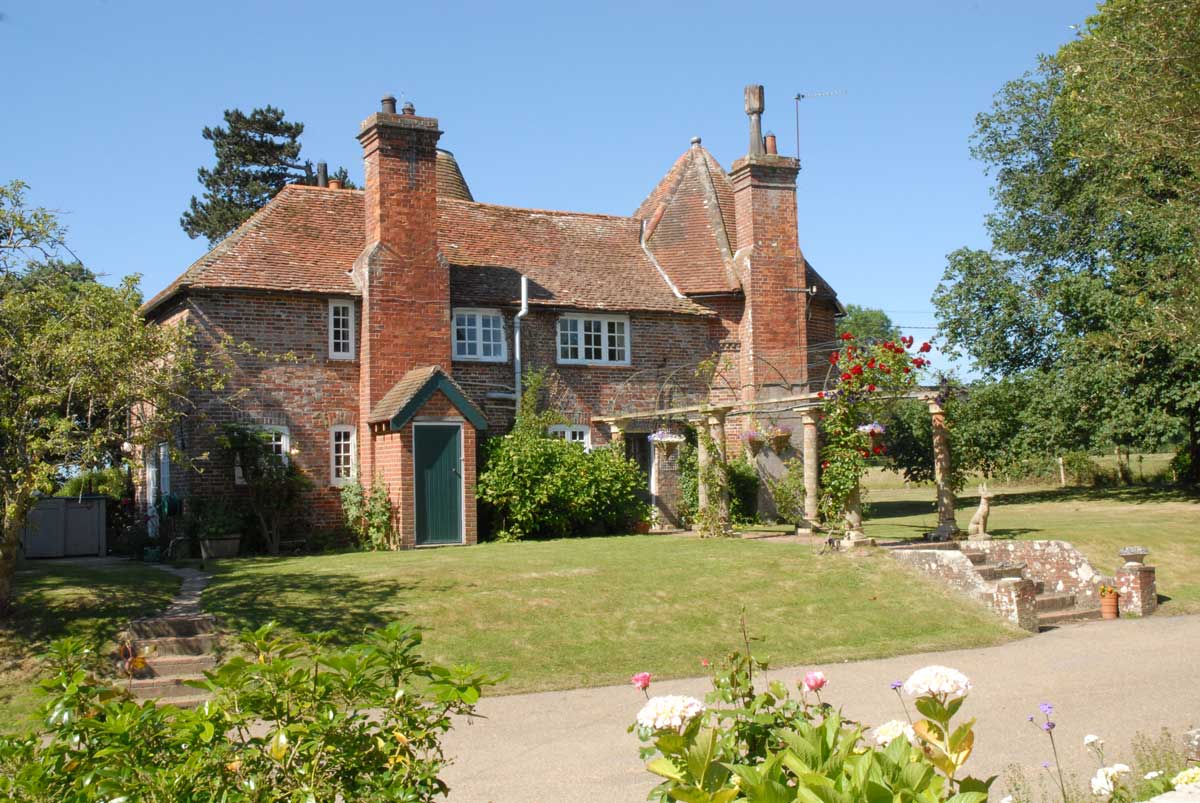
(1186, 778)
(938, 681)
(1150, 776)
(670, 712)
(1092, 739)
(888, 732)
(1103, 782)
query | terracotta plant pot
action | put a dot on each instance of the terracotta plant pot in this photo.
(1109, 606)
(641, 527)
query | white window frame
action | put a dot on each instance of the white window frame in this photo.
(608, 337)
(285, 443)
(163, 454)
(334, 431)
(575, 433)
(479, 313)
(334, 303)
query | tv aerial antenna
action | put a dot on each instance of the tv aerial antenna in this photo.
(805, 96)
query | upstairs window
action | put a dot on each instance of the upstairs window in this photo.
(590, 339)
(573, 433)
(479, 335)
(341, 329)
(341, 455)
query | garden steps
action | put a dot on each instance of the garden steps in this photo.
(1048, 619)
(178, 646)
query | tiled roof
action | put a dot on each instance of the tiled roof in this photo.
(306, 239)
(450, 181)
(690, 224)
(405, 398)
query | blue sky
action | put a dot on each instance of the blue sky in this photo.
(563, 106)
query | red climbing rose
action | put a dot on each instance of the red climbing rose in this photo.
(924, 347)
(847, 336)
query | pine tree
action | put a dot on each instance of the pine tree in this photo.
(257, 154)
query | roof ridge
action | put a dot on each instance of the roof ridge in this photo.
(562, 212)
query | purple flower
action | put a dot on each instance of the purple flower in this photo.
(897, 684)
(1031, 717)
(1047, 726)
(1045, 765)
(1046, 708)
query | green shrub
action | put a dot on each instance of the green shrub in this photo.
(788, 491)
(688, 465)
(743, 490)
(535, 484)
(368, 516)
(292, 721)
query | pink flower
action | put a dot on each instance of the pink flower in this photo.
(815, 681)
(641, 681)
(704, 662)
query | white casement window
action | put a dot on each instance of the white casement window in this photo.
(278, 440)
(590, 339)
(342, 461)
(479, 335)
(341, 329)
(164, 469)
(573, 433)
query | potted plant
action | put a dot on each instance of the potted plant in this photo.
(780, 436)
(1109, 602)
(754, 438)
(219, 531)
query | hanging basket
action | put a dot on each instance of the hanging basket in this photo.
(781, 443)
(666, 441)
(755, 445)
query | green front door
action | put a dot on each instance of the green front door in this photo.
(438, 481)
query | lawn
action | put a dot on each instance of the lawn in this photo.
(1098, 521)
(585, 612)
(60, 598)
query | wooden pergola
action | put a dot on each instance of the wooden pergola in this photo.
(807, 405)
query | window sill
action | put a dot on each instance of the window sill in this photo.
(489, 360)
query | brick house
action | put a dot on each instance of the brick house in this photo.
(398, 310)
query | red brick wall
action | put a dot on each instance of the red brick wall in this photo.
(280, 374)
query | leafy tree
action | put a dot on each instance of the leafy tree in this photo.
(1091, 282)
(275, 483)
(80, 371)
(868, 324)
(257, 154)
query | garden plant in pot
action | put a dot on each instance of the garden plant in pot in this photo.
(219, 530)
(1110, 600)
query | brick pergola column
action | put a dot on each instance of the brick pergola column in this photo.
(947, 527)
(812, 468)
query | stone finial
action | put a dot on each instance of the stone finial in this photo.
(695, 140)
(1134, 555)
(755, 104)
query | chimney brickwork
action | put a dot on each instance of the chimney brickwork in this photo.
(774, 341)
(405, 287)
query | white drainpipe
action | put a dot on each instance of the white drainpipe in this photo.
(517, 339)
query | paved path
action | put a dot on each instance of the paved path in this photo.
(187, 601)
(1109, 678)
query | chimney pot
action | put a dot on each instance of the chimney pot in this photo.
(335, 183)
(388, 105)
(769, 141)
(409, 110)
(322, 174)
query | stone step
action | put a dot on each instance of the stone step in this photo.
(191, 701)
(201, 644)
(1067, 616)
(1039, 586)
(162, 688)
(998, 571)
(938, 545)
(1055, 601)
(160, 626)
(179, 666)
(978, 558)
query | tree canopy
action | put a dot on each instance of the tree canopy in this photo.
(257, 154)
(868, 324)
(1090, 287)
(81, 373)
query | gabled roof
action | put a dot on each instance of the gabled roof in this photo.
(307, 239)
(404, 400)
(690, 225)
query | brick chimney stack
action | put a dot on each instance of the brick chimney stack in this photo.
(764, 191)
(405, 289)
